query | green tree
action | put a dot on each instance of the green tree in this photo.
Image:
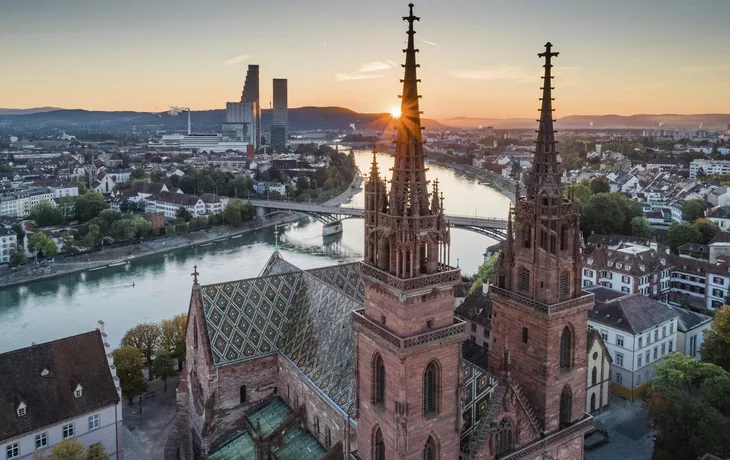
(43, 243)
(45, 213)
(183, 213)
(600, 185)
(172, 337)
(163, 366)
(580, 193)
(146, 338)
(137, 174)
(693, 210)
(484, 274)
(18, 229)
(681, 233)
(640, 226)
(96, 452)
(707, 230)
(93, 237)
(237, 212)
(128, 361)
(630, 209)
(89, 205)
(18, 257)
(716, 347)
(123, 230)
(68, 449)
(69, 244)
(601, 214)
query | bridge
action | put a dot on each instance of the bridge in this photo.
(490, 226)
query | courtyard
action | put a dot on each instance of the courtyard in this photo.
(145, 434)
(630, 436)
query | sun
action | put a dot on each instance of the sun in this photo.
(395, 112)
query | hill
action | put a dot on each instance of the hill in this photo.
(27, 111)
(640, 121)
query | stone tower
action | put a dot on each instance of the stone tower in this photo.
(407, 339)
(540, 313)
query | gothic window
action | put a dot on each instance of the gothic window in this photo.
(378, 379)
(504, 437)
(431, 388)
(316, 425)
(594, 375)
(524, 279)
(593, 402)
(543, 238)
(327, 437)
(565, 348)
(429, 450)
(243, 394)
(379, 453)
(526, 236)
(566, 407)
(564, 281)
(563, 238)
(553, 243)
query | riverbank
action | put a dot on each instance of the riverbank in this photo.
(488, 178)
(105, 257)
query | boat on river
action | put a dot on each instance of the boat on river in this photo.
(205, 245)
(118, 264)
(236, 236)
(97, 268)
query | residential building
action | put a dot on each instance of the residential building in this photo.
(638, 332)
(214, 204)
(707, 167)
(720, 216)
(476, 311)
(8, 243)
(268, 187)
(18, 203)
(701, 276)
(168, 203)
(598, 374)
(690, 330)
(51, 391)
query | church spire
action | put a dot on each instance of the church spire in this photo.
(410, 114)
(545, 175)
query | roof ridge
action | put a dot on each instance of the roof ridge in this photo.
(62, 339)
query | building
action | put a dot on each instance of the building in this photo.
(638, 332)
(18, 203)
(204, 142)
(707, 167)
(214, 204)
(720, 216)
(8, 243)
(598, 375)
(476, 311)
(690, 330)
(280, 122)
(250, 93)
(366, 360)
(168, 203)
(268, 187)
(67, 388)
(241, 123)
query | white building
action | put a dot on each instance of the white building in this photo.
(67, 388)
(598, 375)
(720, 216)
(63, 190)
(637, 331)
(214, 204)
(264, 187)
(19, 203)
(8, 243)
(168, 203)
(690, 331)
(708, 167)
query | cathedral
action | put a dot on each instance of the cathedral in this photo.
(367, 361)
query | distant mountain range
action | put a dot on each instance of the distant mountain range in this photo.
(335, 118)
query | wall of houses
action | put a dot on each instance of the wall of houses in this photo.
(597, 392)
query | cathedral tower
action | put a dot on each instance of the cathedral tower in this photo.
(408, 341)
(540, 313)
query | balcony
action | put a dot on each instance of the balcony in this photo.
(455, 332)
(539, 307)
(446, 275)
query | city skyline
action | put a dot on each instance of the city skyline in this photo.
(620, 58)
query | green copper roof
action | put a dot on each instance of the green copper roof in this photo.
(240, 446)
(299, 445)
(269, 417)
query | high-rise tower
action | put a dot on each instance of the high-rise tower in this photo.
(251, 94)
(280, 115)
(408, 341)
(539, 311)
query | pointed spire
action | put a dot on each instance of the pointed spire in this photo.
(545, 176)
(276, 238)
(374, 173)
(410, 113)
(195, 274)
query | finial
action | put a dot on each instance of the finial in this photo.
(195, 274)
(276, 237)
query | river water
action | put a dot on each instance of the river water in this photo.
(72, 304)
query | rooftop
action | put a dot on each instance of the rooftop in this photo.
(632, 313)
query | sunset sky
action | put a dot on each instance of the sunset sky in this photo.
(478, 57)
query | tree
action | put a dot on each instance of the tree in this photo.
(18, 229)
(601, 214)
(640, 226)
(600, 185)
(707, 230)
(123, 230)
(237, 211)
(96, 452)
(68, 449)
(137, 174)
(43, 243)
(146, 338)
(128, 361)
(630, 209)
(69, 244)
(172, 337)
(93, 237)
(681, 233)
(580, 193)
(89, 205)
(183, 213)
(716, 347)
(484, 274)
(693, 210)
(163, 367)
(18, 257)
(45, 214)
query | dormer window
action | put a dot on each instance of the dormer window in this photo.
(79, 391)
(628, 267)
(663, 261)
(610, 263)
(619, 265)
(590, 261)
(642, 268)
(44, 372)
(22, 409)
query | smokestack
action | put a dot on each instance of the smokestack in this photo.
(189, 132)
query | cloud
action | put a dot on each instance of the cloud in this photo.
(236, 60)
(500, 72)
(429, 43)
(355, 76)
(705, 68)
(392, 64)
(374, 66)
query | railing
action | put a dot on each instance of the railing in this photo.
(445, 274)
(540, 307)
(543, 444)
(457, 331)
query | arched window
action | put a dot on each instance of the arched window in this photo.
(524, 279)
(429, 450)
(431, 388)
(564, 282)
(566, 407)
(378, 379)
(379, 453)
(594, 375)
(243, 394)
(504, 437)
(593, 402)
(327, 437)
(566, 344)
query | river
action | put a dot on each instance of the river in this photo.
(72, 304)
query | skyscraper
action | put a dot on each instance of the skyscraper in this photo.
(251, 94)
(280, 121)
